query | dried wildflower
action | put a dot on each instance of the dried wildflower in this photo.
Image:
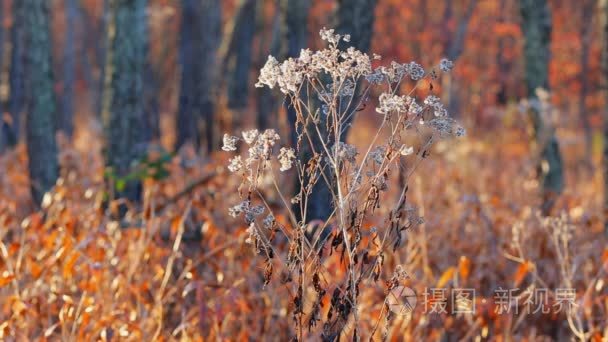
(268, 221)
(229, 142)
(252, 212)
(354, 64)
(236, 164)
(286, 158)
(347, 89)
(269, 74)
(346, 152)
(329, 36)
(400, 273)
(291, 76)
(434, 102)
(440, 111)
(257, 210)
(415, 70)
(332, 75)
(431, 100)
(239, 209)
(378, 154)
(460, 131)
(413, 108)
(296, 199)
(249, 136)
(375, 77)
(406, 151)
(446, 65)
(251, 234)
(262, 148)
(447, 126)
(379, 182)
(305, 57)
(391, 103)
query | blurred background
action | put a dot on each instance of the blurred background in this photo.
(190, 65)
(202, 59)
(90, 88)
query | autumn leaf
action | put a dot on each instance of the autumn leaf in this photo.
(464, 267)
(445, 277)
(6, 278)
(68, 267)
(522, 270)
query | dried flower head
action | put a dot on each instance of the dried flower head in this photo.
(249, 136)
(389, 103)
(229, 142)
(415, 70)
(446, 65)
(235, 164)
(286, 158)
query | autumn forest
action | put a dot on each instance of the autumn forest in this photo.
(332, 170)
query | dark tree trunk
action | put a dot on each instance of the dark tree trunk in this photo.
(102, 58)
(212, 27)
(356, 17)
(241, 54)
(187, 118)
(151, 103)
(605, 123)
(266, 98)
(536, 26)
(40, 100)
(65, 117)
(453, 49)
(12, 129)
(200, 35)
(585, 36)
(126, 140)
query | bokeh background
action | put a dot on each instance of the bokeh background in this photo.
(88, 87)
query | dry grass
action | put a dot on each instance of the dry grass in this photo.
(70, 272)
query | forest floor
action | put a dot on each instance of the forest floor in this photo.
(178, 268)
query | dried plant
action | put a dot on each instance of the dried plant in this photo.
(326, 89)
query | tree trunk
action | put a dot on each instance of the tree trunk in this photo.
(240, 54)
(242, 39)
(126, 140)
(103, 59)
(585, 37)
(536, 26)
(65, 117)
(266, 98)
(453, 49)
(40, 100)
(151, 106)
(200, 35)
(604, 7)
(11, 129)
